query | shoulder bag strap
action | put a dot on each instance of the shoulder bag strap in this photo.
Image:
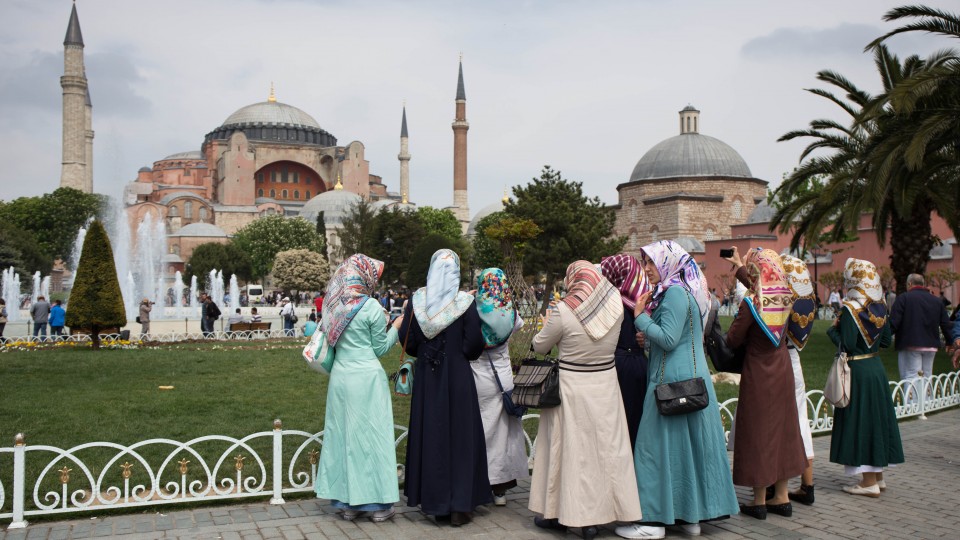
(495, 374)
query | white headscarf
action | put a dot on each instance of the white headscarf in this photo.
(440, 303)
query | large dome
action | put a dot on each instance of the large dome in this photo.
(690, 155)
(484, 212)
(334, 204)
(269, 113)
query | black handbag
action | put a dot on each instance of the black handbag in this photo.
(537, 383)
(684, 396)
(723, 358)
(508, 405)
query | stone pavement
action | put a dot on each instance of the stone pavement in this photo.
(921, 501)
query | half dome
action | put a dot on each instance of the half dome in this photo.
(335, 205)
(690, 155)
(206, 230)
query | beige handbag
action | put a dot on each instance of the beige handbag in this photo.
(837, 388)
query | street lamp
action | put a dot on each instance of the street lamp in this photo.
(388, 251)
(817, 252)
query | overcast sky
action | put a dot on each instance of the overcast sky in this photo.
(586, 87)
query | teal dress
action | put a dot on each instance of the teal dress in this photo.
(358, 461)
(865, 432)
(683, 474)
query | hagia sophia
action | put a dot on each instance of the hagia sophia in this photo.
(271, 158)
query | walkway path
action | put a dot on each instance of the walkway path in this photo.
(920, 502)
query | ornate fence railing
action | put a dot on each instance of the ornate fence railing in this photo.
(102, 475)
(16, 342)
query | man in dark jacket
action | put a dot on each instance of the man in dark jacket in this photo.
(915, 319)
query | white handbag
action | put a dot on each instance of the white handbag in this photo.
(837, 388)
(317, 351)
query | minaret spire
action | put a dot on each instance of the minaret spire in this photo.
(460, 127)
(77, 162)
(404, 158)
(74, 35)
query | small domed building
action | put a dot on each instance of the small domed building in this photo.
(690, 186)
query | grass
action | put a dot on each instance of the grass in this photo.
(67, 396)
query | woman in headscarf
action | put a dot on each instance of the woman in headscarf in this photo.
(446, 470)
(582, 473)
(865, 437)
(683, 475)
(798, 332)
(506, 445)
(358, 465)
(768, 449)
(625, 273)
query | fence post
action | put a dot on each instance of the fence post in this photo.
(19, 482)
(923, 395)
(277, 463)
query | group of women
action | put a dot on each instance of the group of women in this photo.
(605, 454)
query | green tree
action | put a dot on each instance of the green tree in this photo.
(95, 300)
(216, 256)
(54, 218)
(856, 181)
(420, 258)
(23, 251)
(574, 226)
(440, 221)
(263, 238)
(404, 230)
(301, 270)
(486, 250)
(355, 234)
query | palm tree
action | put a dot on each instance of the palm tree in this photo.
(858, 178)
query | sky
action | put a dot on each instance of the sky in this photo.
(585, 87)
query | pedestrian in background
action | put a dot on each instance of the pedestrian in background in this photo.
(917, 320)
(58, 317)
(146, 306)
(3, 319)
(40, 313)
(288, 314)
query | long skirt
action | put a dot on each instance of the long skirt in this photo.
(506, 444)
(865, 432)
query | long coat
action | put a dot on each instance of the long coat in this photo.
(446, 467)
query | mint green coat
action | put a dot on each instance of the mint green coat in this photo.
(358, 460)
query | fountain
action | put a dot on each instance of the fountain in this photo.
(178, 287)
(193, 295)
(36, 288)
(234, 294)
(215, 286)
(10, 292)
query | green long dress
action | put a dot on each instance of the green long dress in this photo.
(865, 432)
(358, 461)
(683, 474)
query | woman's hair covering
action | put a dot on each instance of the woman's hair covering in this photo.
(770, 297)
(592, 299)
(440, 303)
(495, 305)
(800, 325)
(352, 283)
(625, 273)
(864, 298)
(677, 267)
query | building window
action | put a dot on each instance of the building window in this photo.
(186, 172)
(709, 234)
(308, 181)
(273, 194)
(307, 196)
(655, 233)
(285, 194)
(633, 241)
(188, 210)
(203, 213)
(296, 178)
(173, 212)
(260, 192)
(273, 176)
(633, 211)
(296, 194)
(737, 209)
(260, 178)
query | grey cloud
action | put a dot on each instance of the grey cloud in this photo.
(113, 79)
(844, 40)
(33, 85)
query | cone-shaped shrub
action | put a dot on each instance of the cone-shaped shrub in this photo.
(96, 301)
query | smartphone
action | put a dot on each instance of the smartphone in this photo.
(725, 253)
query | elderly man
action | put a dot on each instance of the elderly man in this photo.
(916, 317)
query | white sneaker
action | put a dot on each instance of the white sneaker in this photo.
(382, 515)
(351, 515)
(500, 500)
(641, 531)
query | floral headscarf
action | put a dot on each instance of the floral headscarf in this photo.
(593, 300)
(625, 273)
(804, 301)
(864, 298)
(440, 303)
(352, 283)
(495, 304)
(770, 297)
(677, 267)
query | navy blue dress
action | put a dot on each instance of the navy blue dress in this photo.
(446, 466)
(631, 374)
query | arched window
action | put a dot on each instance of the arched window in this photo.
(633, 210)
(203, 213)
(709, 234)
(737, 211)
(654, 233)
(173, 212)
(271, 211)
(188, 209)
(634, 244)
(307, 196)
(273, 194)
(285, 194)
(296, 194)
(260, 193)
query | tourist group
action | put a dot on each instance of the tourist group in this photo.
(636, 439)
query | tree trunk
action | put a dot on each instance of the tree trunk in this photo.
(95, 337)
(911, 239)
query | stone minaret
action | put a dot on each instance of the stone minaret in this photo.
(404, 158)
(77, 135)
(460, 127)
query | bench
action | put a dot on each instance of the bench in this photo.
(249, 327)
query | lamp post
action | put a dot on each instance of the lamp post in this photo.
(816, 252)
(388, 247)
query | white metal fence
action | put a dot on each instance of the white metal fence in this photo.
(164, 337)
(268, 463)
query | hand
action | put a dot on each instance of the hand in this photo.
(642, 303)
(472, 292)
(398, 322)
(641, 339)
(956, 359)
(735, 258)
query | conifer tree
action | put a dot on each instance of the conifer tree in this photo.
(96, 302)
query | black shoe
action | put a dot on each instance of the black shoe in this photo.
(442, 518)
(460, 518)
(758, 512)
(589, 533)
(785, 510)
(549, 523)
(803, 496)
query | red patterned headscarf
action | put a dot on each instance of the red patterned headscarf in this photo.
(593, 300)
(626, 274)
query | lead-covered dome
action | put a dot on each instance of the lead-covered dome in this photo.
(271, 113)
(273, 121)
(690, 154)
(335, 204)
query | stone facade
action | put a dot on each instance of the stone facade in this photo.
(77, 151)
